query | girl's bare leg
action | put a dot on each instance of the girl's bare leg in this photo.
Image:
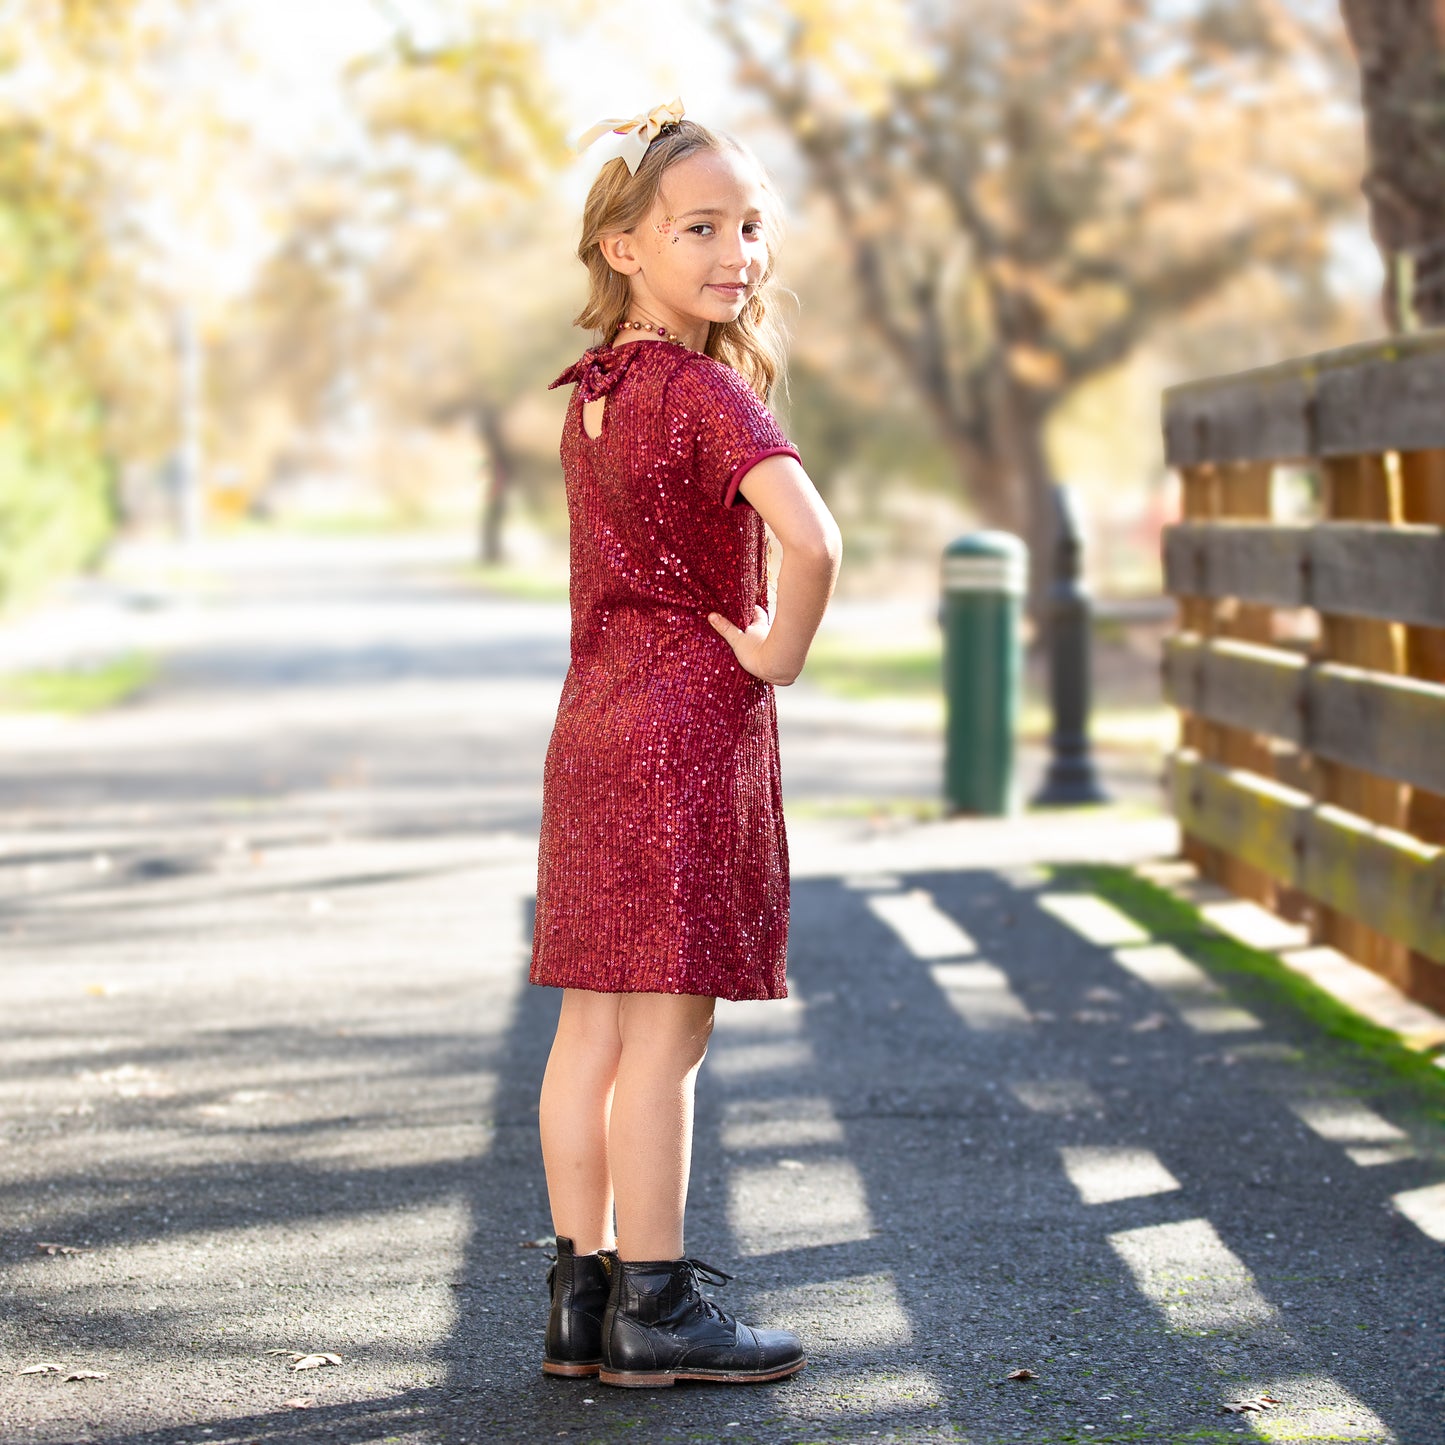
(664, 1038)
(576, 1100)
(616, 1115)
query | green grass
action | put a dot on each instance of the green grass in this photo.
(853, 672)
(1261, 978)
(916, 672)
(78, 690)
(517, 582)
(896, 809)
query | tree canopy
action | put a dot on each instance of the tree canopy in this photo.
(1026, 191)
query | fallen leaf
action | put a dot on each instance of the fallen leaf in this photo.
(315, 1362)
(301, 1402)
(89, 1375)
(1257, 1405)
(47, 1246)
(546, 1242)
(1149, 1023)
(1022, 1375)
(43, 1368)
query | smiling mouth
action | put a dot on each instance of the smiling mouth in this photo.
(732, 288)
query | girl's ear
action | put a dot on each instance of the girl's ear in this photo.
(620, 252)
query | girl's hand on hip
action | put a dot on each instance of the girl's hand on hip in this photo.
(749, 647)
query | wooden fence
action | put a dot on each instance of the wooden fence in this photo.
(1309, 665)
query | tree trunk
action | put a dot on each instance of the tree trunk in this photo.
(1400, 46)
(1034, 492)
(499, 483)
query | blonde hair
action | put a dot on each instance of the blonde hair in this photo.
(754, 344)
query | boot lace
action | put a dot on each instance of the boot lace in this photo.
(710, 1273)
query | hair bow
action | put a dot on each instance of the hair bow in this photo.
(638, 133)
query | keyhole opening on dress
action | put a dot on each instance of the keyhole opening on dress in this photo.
(592, 416)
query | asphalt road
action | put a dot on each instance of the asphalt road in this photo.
(271, 1063)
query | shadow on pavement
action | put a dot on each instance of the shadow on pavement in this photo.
(972, 1142)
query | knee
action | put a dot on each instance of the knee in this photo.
(671, 1029)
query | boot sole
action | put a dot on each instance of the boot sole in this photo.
(652, 1380)
(570, 1371)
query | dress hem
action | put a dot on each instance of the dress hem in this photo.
(675, 992)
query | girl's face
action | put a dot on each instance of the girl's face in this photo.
(702, 251)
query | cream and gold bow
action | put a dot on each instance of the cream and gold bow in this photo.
(638, 133)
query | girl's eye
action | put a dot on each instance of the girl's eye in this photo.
(700, 227)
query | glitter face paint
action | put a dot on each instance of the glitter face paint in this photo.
(667, 226)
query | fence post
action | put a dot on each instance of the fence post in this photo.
(1361, 488)
(1422, 500)
(1071, 778)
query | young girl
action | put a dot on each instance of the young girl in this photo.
(663, 874)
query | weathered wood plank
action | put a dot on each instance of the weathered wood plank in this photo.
(1357, 569)
(1392, 727)
(1393, 883)
(1261, 415)
(1247, 816)
(1257, 561)
(1376, 569)
(1389, 726)
(1246, 686)
(1390, 402)
(1379, 396)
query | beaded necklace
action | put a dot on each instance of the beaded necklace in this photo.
(648, 326)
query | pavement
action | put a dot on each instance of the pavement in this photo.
(270, 1067)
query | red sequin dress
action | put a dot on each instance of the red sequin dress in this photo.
(663, 865)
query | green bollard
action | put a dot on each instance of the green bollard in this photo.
(985, 576)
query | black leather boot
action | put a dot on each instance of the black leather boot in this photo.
(579, 1284)
(660, 1328)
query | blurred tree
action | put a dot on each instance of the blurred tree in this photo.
(472, 325)
(483, 98)
(75, 334)
(1028, 190)
(1400, 46)
(283, 343)
(483, 94)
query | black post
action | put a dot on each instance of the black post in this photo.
(1071, 778)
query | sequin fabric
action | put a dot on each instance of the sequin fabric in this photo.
(663, 865)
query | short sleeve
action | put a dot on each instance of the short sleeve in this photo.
(729, 428)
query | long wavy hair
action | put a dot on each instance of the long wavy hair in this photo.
(754, 344)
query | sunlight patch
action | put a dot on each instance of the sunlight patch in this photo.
(1201, 1003)
(1197, 1282)
(1056, 1096)
(856, 1312)
(798, 1205)
(788, 1123)
(1104, 1173)
(1366, 1136)
(1093, 918)
(1425, 1209)
(734, 1061)
(1328, 1412)
(922, 926)
(981, 995)
(876, 1395)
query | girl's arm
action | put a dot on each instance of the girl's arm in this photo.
(781, 493)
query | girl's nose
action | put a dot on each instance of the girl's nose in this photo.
(744, 252)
